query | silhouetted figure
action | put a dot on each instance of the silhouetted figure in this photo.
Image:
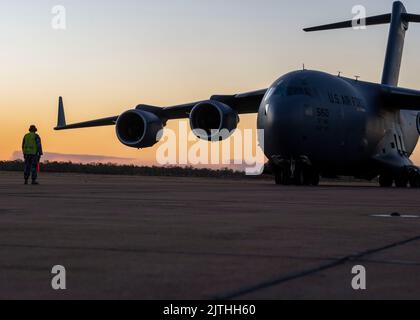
(32, 152)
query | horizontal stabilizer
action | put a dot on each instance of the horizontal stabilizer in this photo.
(370, 21)
(411, 17)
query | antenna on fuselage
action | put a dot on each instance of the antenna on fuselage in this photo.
(339, 73)
(357, 78)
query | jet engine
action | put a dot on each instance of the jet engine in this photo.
(418, 122)
(138, 128)
(213, 120)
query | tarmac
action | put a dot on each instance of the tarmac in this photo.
(132, 237)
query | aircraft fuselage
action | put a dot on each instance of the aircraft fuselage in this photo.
(337, 123)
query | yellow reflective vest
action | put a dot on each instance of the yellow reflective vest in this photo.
(30, 145)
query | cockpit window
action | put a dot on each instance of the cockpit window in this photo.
(300, 91)
(291, 87)
(280, 90)
(269, 94)
(289, 90)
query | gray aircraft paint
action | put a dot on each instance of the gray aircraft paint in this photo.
(339, 124)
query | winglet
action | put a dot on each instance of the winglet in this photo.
(62, 125)
(61, 121)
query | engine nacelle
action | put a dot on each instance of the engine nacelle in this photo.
(138, 128)
(418, 122)
(213, 120)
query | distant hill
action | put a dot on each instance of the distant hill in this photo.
(78, 158)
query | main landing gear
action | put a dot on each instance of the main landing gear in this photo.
(409, 177)
(295, 172)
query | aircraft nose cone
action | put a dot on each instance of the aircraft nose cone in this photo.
(281, 122)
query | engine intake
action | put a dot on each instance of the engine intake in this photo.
(138, 128)
(418, 122)
(213, 120)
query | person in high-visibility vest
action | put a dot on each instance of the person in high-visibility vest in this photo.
(32, 152)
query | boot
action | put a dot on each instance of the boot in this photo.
(26, 181)
(35, 183)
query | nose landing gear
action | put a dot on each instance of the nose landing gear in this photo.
(386, 180)
(295, 172)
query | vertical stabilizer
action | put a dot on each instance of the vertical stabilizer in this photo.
(394, 52)
(399, 20)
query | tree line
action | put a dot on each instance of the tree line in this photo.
(117, 169)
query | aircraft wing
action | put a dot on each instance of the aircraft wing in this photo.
(400, 98)
(242, 103)
(89, 124)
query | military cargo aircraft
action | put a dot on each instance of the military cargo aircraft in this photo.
(315, 124)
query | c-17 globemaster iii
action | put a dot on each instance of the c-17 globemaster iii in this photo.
(315, 124)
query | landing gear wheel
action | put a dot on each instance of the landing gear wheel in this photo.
(401, 182)
(315, 179)
(286, 177)
(386, 181)
(282, 176)
(414, 180)
(278, 177)
(299, 176)
(303, 175)
(307, 177)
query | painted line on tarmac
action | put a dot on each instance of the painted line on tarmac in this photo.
(293, 276)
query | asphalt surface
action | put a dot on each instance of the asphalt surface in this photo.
(182, 238)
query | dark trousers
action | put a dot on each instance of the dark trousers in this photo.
(31, 166)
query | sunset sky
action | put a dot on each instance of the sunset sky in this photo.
(117, 54)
